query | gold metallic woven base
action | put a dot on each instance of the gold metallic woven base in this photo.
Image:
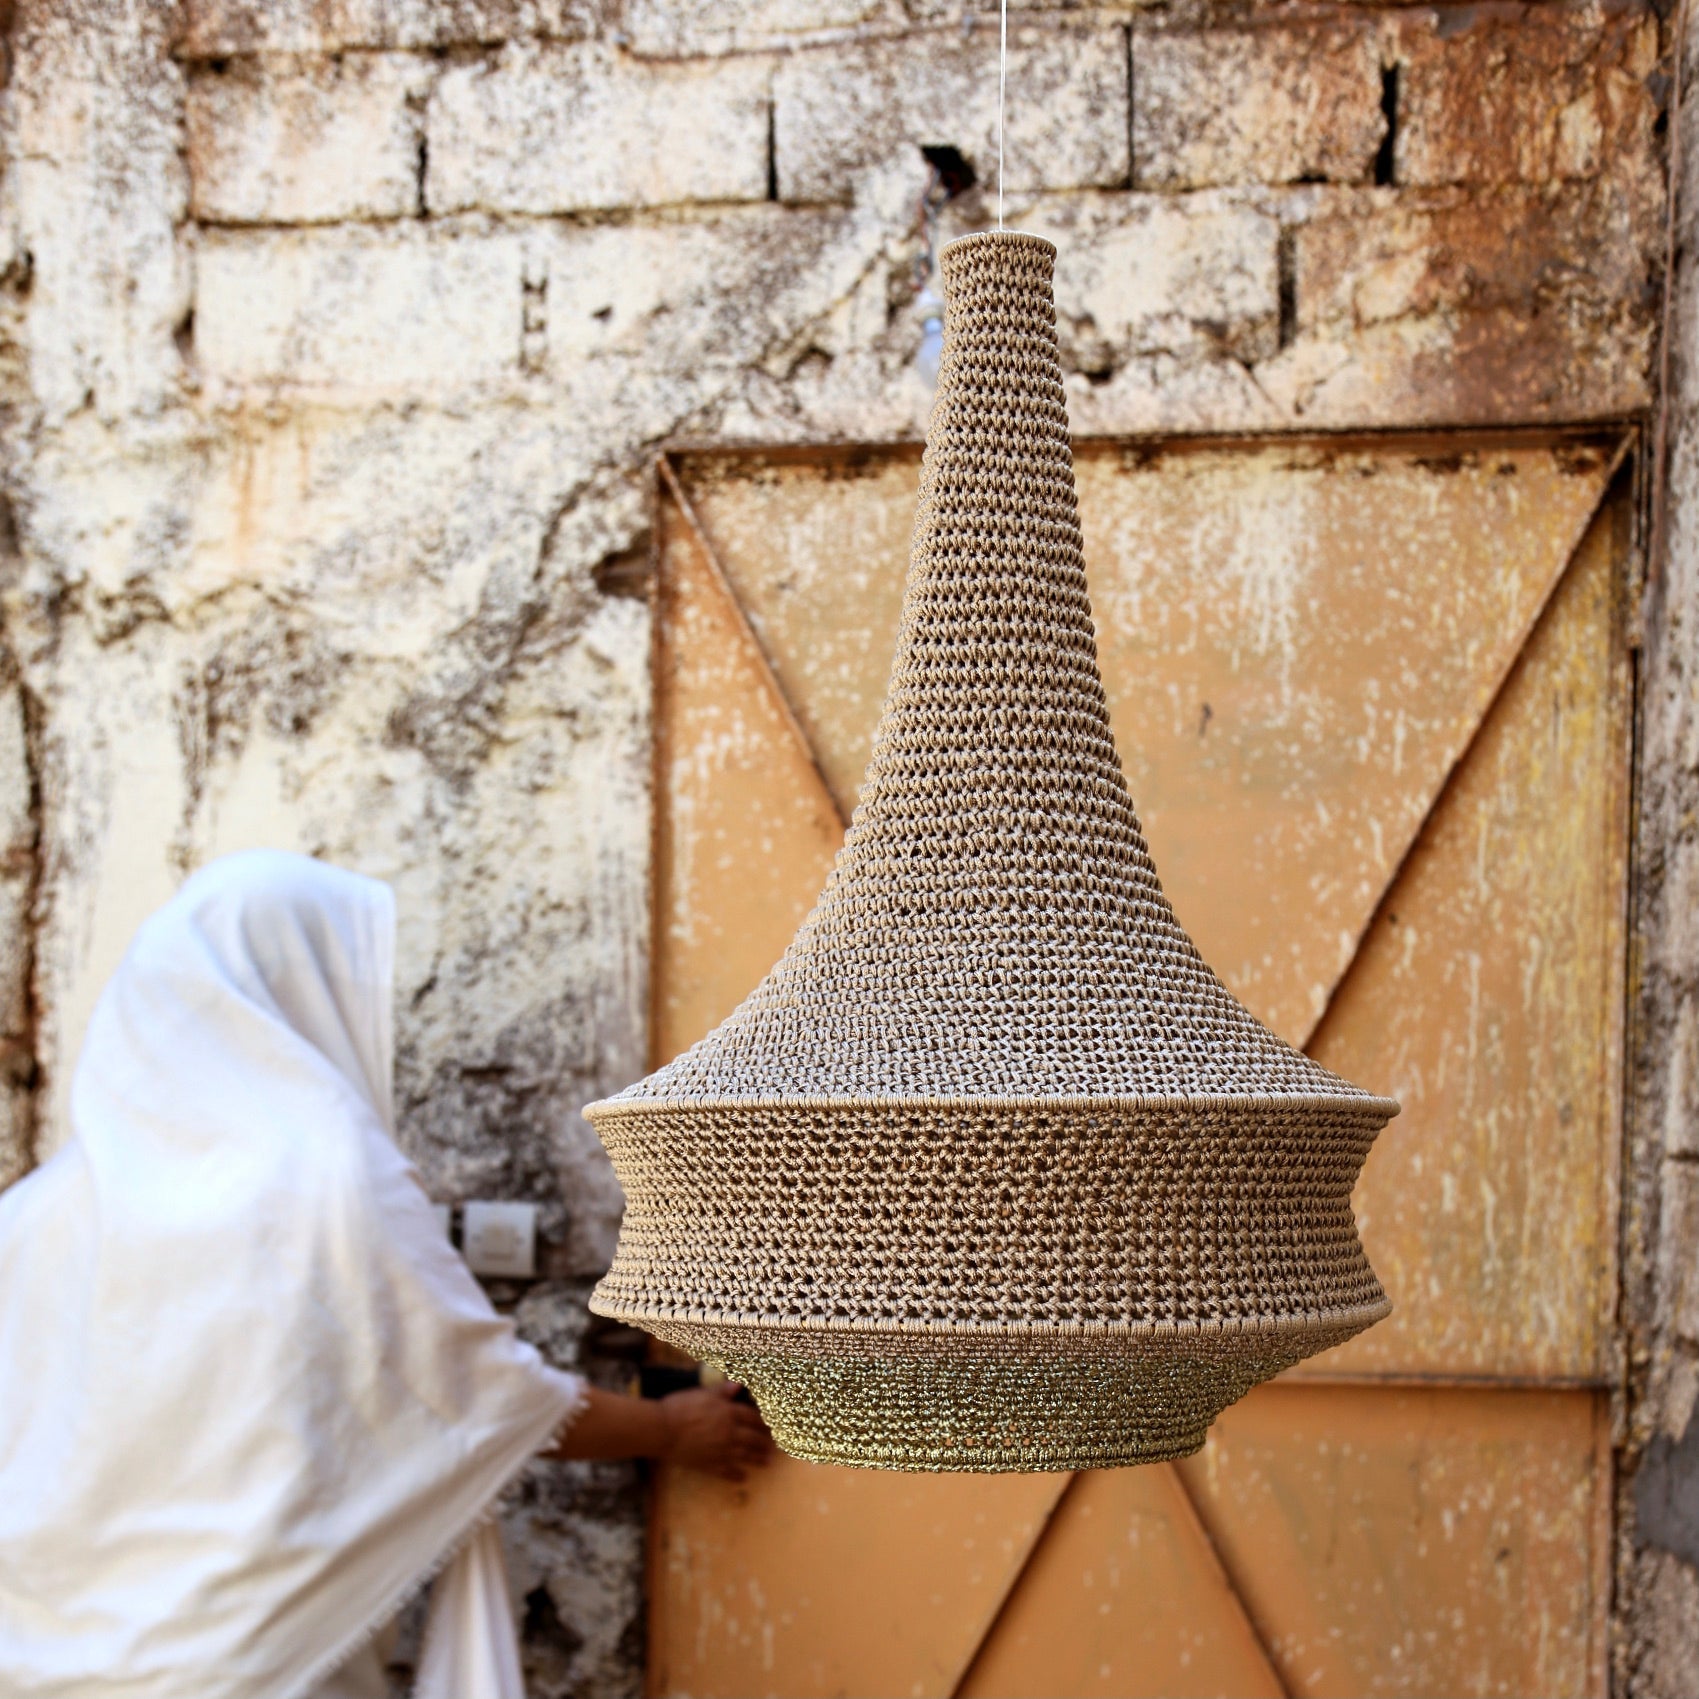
(987, 1415)
(988, 1401)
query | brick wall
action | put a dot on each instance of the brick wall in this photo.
(336, 337)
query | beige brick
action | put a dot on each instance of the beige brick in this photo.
(407, 308)
(1681, 1082)
(664, 27)
(1142, 274)
(840, 110)
(957, 10)
(1446, 306)
(219, 28)
(94, 201)
(1276, 103)
(329, 140)
(1519, 250)
(1542, 95)
(576, 127)
(682, 298)
(628, 316)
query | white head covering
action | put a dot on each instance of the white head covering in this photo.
(249, 1395)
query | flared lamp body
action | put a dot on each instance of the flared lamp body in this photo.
(991, 1172)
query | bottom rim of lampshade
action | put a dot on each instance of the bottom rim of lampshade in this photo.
(1004, 1412)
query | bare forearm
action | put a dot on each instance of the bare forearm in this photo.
(704, 1428)
(610, 1426)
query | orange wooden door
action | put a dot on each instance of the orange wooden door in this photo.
(1373, 700)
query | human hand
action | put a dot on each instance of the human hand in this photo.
(708, 1428)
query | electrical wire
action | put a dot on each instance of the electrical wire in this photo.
(1002, 90)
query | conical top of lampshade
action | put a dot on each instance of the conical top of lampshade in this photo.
(991, 1171)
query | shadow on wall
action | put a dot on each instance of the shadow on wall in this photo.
(1666, 1494)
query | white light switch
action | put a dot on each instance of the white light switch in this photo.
(499, 1238)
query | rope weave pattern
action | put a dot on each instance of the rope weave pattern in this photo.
(991, 1171)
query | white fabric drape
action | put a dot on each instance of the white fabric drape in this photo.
(249, 1396)
(466, 1654)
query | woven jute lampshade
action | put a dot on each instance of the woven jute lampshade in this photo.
(991, 1172)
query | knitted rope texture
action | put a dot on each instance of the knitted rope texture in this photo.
(991, 1171)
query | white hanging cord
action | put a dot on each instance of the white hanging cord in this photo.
(1002, 87)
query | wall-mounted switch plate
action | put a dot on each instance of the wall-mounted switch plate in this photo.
(500, 1238)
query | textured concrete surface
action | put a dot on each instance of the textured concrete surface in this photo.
(843, 112)
(1291, 105)
(336, 339)
(1658, 1501)
(1665, 1648)
(529, 130)
(336, 139)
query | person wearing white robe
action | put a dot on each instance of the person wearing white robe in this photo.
(250, 1397)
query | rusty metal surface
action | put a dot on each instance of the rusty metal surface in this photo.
(1404, 1542)
(1486, 999)
(1354, 644)
(1124, 1598)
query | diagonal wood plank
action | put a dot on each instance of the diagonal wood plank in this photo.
(1485, 999)
(818, 554)
(749, 643)
(1123, 1598)
(1592, 534)
(745, 829)
(1299, 644)
(1387, 1537)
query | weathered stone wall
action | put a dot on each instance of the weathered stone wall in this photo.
(336, 337)
(1659, 1502)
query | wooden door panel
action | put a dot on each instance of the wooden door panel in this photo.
(1298, 644)
(1408, 685)
(1415, 1541)
(746, 829)
(818, 556)
(1486, 999)
(812, 1579)
(1124, 1597)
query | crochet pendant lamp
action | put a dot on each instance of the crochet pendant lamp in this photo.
(991, 1172)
